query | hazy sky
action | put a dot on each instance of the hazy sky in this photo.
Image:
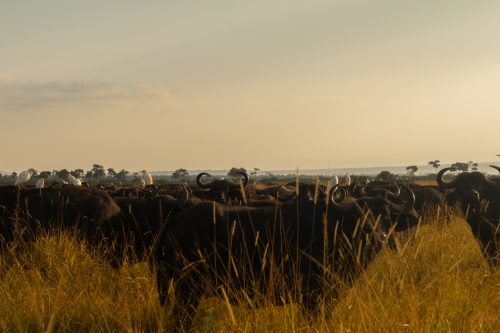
(270, 84)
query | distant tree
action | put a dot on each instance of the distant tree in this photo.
(122, 175)
(411, 170)
(472, 165)
(89, 174)
(254, 172)
(63, 173)
(111, 172)
(78, 173)
(180, 174)
(98, 171)
(386, 176)
(435, 164)
(14, 174)
(234, 171)
(44, 174)
(461, 166)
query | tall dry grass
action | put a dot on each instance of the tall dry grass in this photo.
(437, 281)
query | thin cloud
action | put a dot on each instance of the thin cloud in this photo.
(23, 96)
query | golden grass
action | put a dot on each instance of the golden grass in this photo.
(437, 281)
(431, 182)
(57, 285)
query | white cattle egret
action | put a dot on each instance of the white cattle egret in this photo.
(72, 180)
(40, 183)
(24, 176)
(347, 179)
(332, 182)
(148, 179)
(142, 182)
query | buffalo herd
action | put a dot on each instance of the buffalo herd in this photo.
(221, 230)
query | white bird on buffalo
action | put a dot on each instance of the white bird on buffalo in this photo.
(40, 183)
(148, 179)
(347, 179)
(72, 180)
(24, 176)
(332, 183)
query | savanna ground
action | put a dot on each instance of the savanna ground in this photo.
(436, 281)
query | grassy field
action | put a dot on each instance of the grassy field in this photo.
(437, 281)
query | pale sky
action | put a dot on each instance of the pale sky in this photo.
(270, 84)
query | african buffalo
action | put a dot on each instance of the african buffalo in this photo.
(307, 242)
(468, 188)
(220, 190)
(427, 197)
(396, 216)
(480, 201)
(27, 211)
(131, 233)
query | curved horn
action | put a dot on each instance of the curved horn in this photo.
(284, 198)
(495, 167)
(245, 177)
(394, 195)
(492, 182)
(442, 183)
(198, 181)
(181, 201)
(342, 191)
(411, 198)
(337, 206)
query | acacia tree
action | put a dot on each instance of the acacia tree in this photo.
(63, 173)
(411, 170)
(234, 171)
(472, 165)
(78, 173)
(44, 174)
(435, 164)
(122, 175)
(111, 172)
(386, 176)
(180, 174)
(98, 171)
(461, 166)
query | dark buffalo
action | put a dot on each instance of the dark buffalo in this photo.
(27, 211)
(479, 198)
(131, 233)
(468, 188)
(427, 197)
(212, 244)
(388, 190)
(397, 216)
(486, 228)
(220, 190)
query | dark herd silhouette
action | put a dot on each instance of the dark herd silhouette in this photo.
(236, 234)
